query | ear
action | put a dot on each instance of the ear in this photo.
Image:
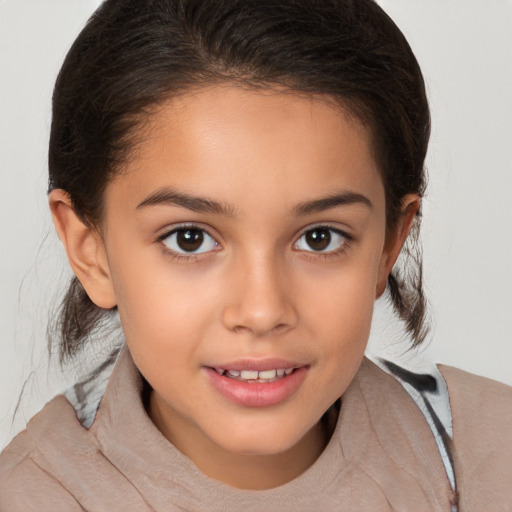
(395, 240)
(85, 250)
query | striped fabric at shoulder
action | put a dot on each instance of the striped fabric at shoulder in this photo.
(429, 391)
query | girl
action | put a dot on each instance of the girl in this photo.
(234, 182)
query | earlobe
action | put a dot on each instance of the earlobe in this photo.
(396, 239)
(85, 250)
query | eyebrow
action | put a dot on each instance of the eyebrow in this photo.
(332, 201)
(169, 196)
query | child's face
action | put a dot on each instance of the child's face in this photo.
(277, 265)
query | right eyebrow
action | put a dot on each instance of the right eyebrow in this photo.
(170, 196)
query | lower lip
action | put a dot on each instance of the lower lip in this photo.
(257, 394)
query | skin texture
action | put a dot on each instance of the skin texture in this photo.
(256, 290)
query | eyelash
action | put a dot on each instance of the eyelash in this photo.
(326, 254)
(184, 257)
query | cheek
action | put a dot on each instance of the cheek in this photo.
(342, 299)
(339, 311)
(152, 290)
(162, 338)
(345, 330)
(164, 309)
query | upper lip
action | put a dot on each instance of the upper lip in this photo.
(260, 365)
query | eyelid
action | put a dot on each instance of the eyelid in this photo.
(347, 236)
(169, 231)
(172, 228)
(326, 225)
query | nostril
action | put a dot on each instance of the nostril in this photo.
(259, 310)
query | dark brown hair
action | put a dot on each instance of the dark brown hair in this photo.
(132, 55)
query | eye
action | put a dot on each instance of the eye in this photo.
(189, 240)
(321, 239)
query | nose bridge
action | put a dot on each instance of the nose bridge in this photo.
(262, 301)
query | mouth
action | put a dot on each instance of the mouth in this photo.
(255, 376)
(252, 387)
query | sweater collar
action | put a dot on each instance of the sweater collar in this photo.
(380, 433)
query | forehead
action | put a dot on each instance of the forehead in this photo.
(227, 141)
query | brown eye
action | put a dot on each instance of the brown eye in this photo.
(318, 239)
(321, 239)
(189, 240)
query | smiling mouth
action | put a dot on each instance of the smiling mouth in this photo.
(254, 376)
(249, 386)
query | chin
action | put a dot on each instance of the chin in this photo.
(262, 441)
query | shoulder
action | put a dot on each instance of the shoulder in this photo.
(478, 403)
(57, 464)
(482, 439)
(26, 479)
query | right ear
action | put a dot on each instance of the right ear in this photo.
(85, 250)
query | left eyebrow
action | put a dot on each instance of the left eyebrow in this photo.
(332, 201)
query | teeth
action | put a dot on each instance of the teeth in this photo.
(254, 375)
(268, 374)
(249, 374)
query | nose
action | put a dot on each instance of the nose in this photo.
(260, 301)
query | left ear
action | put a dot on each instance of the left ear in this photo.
(395, 240)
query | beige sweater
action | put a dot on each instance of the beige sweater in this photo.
(381, 457)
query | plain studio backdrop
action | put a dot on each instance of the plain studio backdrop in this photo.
(465, 50)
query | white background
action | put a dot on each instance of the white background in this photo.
(465, 50)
